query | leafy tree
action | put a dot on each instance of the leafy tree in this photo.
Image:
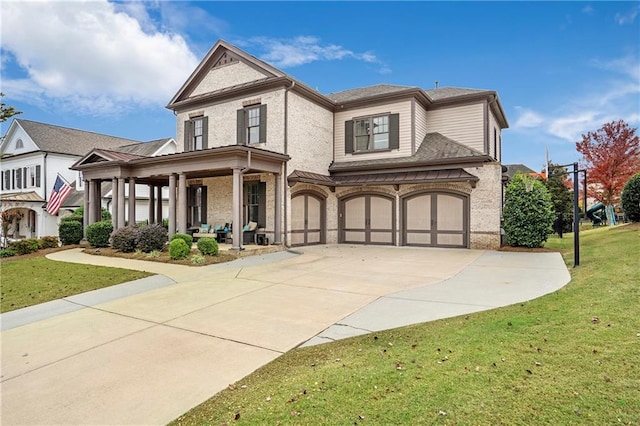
(7, 112)
(528, 212)
(7, 217)
(631, 198)
(611, 155)
(561, 194)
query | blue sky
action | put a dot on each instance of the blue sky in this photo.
(561, 69)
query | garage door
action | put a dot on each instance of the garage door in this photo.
(436, 219)
(367, 219)
(307, 218)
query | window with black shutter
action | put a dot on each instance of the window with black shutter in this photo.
(252, 125)
(372, 133)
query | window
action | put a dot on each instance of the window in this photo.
(252, 125)
(255, 205)
(18, 177)
(79, 182)
(373, 133)
(31, 177)
(195, 134)
(197, 204)
(19, 144)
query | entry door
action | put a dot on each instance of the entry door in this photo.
(368, 219)
(307, 218)
(436, 220)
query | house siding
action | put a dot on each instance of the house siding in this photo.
(493, 124)
(227, 76)
(463, 124)
(420, 123)
(403, 108)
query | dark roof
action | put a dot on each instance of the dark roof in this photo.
(65, 140)
(435, 148)
(512, 169)
(421, 176)
(366, 92)
(453, 92)
(146, 148)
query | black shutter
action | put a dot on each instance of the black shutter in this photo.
(13, 179)
(18, 173)
(262, 204)
(205, 132)
(348, 137)
(7, 179)
(38, 176)
(3, 181)
(394, 131)
(188, 135)
(242, 133)
(25, 173)
(263, 124)
(203, 205)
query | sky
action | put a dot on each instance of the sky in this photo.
(561, 69)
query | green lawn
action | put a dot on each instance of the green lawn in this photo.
(571, 357)
(26, 282)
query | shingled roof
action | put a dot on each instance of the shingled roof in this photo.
(366, 92)
(145, 149)
(453, 92)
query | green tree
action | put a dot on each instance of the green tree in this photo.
(561, 195)
(631, 198)
(528, 212)
(6, 112)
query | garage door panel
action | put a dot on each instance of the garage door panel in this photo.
(355, 236)
(314, 213)
(435, 219)
(355, 213)
(381, 213)
(314, 237)
(297, 238)
(297, 213)
(381, 237)
(450, 213)
(419, 213)
(418, 238)
(450, 239)
(368, 219)
(306, 220)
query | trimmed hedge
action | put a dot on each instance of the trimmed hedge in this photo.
(152, 237)
(208, 246)
(7, 253)
(98, 233)
(185, 237)
(631, 198)
(125, 239)
(70, 232)
(178, 249)
(25, 246)
(48, 242)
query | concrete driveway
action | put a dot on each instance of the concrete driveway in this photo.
(146, 352)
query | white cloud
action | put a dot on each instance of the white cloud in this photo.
(287, 53)
(627, 18)
(528, 118)
(92, 56)
(588, 10)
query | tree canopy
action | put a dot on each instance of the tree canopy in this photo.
(611, 156)
(6, 112)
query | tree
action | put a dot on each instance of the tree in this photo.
(631, 198)
(611, 156)
(561, 194)
(528, 212)
(8, 217)
(6, 112)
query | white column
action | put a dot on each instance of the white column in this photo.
(182, 203)
(121, 216)
(115, 199)
(159, 205)
(132, 201)
(152, 207)
(172, 204)
(85, 217)
(236, 209)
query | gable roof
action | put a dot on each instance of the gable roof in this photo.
(435, 149)
(442, 93)
(512, 169)
(366, 92)
(64, 140)
(146, 149)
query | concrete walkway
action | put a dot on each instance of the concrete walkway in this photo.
(146, 352)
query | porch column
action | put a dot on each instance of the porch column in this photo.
(85, 216)
(172, 204)
(152, 207)
(236, 209)
(277, 230)
(97, 200)
(94, 191)
(115, 199)
(121, 218)
(132, 201)
(159, 205)
(182, 203)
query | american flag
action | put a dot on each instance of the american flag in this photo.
(61, 190)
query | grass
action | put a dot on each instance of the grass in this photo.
(35, 279)
(571, 357)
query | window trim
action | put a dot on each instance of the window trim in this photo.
(243, 124)
(393, 123)
(190, 136)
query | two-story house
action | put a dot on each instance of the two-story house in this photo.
(34, 154)
(385, 164)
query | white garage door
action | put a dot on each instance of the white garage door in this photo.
(367, 219)
(436, 219)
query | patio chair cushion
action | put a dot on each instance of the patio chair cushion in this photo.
(252, 226)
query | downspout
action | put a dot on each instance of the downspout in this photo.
(283, 182)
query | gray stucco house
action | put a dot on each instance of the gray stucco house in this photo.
(386, 164)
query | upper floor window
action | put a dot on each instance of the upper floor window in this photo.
(195, 134)
(373, 133)
(19, 144)
(252, 125)
(80, 181)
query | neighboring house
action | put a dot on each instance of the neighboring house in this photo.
(34, 153)
(512, 169)
(386, 164)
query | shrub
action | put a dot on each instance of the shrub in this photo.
(528, 212)
(198, 259)
(631, 198)
(25, 246)
(154, 254)
(48, 242)
(178, 249)
(7, 253)
(70, 232)
(208, 246)
(152, 237)
(98, 233)
(185, 237)
(125, 239)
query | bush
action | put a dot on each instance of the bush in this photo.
(70, 232)
(152, 237)
(48, 242)
(528, 212)
(631, 198)
(185, 237)
(98, 233)
(25, 246)
(198, 259)
(7, 253)
(208, 246)
(178, 249)
(125, 239)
